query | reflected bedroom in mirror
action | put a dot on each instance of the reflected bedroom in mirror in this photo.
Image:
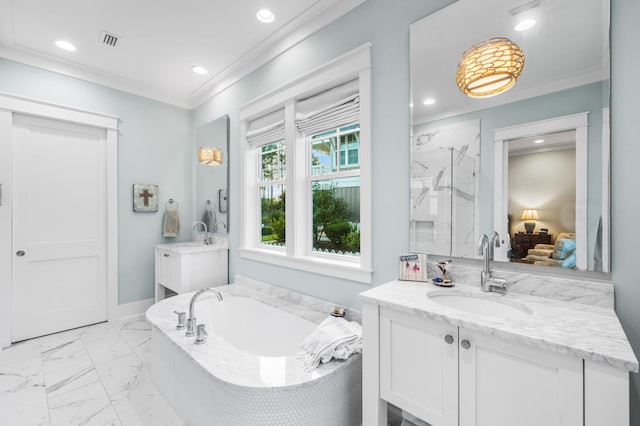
(212, 175)
(510, 132)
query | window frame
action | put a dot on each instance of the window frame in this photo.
(298, 252)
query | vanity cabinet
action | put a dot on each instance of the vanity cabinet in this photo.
(449, 376)
(181, 270)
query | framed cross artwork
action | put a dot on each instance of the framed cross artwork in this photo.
(145, 198)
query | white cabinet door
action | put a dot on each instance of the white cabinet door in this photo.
(506, 384)
(419, 366)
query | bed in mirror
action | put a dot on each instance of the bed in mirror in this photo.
(531, 162)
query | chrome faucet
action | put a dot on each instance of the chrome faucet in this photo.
(494, 241)
(191, 321)
(485, 248)
(207, 240)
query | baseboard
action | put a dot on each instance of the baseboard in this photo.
(133, 309)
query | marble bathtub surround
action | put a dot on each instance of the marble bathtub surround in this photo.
(584, 331)
(231, 364)
(307, 307)
(92, 375)
(218, 380)
(583, 291)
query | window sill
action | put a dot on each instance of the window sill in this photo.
(317, 265)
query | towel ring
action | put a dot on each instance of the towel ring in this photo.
(170, 203)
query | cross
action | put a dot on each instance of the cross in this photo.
(146, 195)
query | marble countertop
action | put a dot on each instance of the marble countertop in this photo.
(588, 332)
(232, 365)
(218, 243)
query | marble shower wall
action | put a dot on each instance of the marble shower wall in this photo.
(444, 187)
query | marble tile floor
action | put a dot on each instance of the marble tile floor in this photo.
(95, 375)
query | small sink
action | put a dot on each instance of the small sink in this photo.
(218, 243)
(481, 304)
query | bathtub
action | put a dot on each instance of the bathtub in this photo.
(245, 373)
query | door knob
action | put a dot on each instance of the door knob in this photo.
(20, 253)
(465, 344)
(448, 338)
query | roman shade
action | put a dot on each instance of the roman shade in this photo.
(266, 129)
(329, 110)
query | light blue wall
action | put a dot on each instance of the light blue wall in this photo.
(580, 99)
(625, 175)
(153, 147)
(386, 25)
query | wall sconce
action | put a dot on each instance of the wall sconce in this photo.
(489, 67)
(210, 156)
(530, 214)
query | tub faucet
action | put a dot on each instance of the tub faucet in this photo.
(487, 283)
(191, 321)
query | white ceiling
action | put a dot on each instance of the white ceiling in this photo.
(567, 47)
(159, 40)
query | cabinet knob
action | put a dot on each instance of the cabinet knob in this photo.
(448, 338)
(166, 255)
(465, 344)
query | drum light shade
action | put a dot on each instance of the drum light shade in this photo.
(489, 67)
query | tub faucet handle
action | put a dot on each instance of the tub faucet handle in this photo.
(201, 334)
(182, 320)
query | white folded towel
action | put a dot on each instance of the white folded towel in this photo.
(334, 338)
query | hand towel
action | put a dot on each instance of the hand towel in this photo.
(209, 219)
(334, 338)
(171, 223)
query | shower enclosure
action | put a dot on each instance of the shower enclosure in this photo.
(443, 197)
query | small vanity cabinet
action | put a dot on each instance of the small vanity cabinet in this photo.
(431, 368)
(453, 368)
(185, 267)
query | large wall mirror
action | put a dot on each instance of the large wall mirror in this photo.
(212, 180)
(532, 162)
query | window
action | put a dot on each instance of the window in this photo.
(272, 163)
(335, 189)
(306, 196)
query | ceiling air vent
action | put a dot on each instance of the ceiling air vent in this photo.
(109, 39)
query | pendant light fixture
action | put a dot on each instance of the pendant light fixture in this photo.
(489, 67)
(210, 156)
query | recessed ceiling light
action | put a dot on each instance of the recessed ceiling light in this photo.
(429, 101)
(538, 141)
(65, 45)
(525, 24)
(199, 70)
(265, 15)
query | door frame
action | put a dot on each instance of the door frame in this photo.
(10, 104)
(578, 122)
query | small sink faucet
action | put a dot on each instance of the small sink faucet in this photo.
(485, 248)
(191, 321)
(206, 241)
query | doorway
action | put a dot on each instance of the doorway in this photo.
(58, 218)
(59, 226)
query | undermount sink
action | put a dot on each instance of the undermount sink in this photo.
(481, 304)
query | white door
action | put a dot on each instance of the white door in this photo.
(59, 227)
